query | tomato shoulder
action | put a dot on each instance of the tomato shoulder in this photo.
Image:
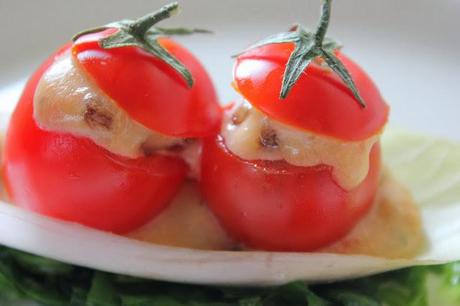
(149, 90)
(319, 102)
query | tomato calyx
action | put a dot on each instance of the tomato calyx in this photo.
(142, 34)
(308, 47)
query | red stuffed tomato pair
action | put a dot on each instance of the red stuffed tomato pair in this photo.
(159, 91)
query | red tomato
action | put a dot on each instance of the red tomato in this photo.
(273, 205)
(149, 90)
(74, 179)
(319, 102)
(278, 206)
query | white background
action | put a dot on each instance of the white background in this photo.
(411, 48)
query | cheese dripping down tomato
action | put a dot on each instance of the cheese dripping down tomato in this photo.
(68, 101)
(252, 135)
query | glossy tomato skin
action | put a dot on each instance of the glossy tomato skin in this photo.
(320, 102)
(272, 205)
(72, 178)
(149, 90)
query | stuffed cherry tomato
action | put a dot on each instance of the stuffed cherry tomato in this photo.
(297, 162)
(98, 134)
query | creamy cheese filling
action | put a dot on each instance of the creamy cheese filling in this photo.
(252, 135)
(67, 101)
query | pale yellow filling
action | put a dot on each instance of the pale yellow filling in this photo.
(252, 135)
(392, 228)
(187, 222)
(67, 101)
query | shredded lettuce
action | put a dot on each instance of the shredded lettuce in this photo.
(30, 280)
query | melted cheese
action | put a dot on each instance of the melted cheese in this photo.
(187, 222)
(253, 136)
(392, 229)
(67, 101)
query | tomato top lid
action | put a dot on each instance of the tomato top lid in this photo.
(321, 90)
(159, 83)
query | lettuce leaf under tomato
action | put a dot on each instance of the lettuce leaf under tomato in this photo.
(27, 279)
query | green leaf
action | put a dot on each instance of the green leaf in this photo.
(150, 301)
(143, 34)
(444, 285)
(407, 287)
(102, 292)
(394, 290)
(308, 46)
(139, 27)
(89, 31)
(299, 60)
(157, 50)
(120, 39)
(79, 297)
(8, 288)
(251, 301)
(428, 166)
(335, 64)
(177, 31)
(40, 265)
(48, 293)
(350, 298)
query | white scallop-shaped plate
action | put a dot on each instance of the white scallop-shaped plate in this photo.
(431, 168)
(409, 47)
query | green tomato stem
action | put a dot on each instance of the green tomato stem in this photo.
(140, 26)
(323, 25)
